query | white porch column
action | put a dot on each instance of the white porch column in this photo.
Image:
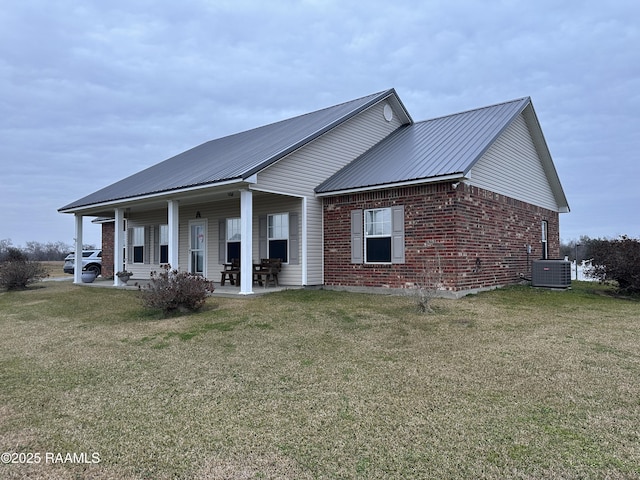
(246, 244)
(77, 271)
(118, 246)
(304, 241)
(173, 219)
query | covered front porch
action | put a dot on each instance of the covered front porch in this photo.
(201, 233)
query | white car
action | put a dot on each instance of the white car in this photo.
(91, 261)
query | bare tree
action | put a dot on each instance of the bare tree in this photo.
(428, 283)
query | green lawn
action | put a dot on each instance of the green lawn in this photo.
(516, 383)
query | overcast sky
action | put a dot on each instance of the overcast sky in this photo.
(93, 91)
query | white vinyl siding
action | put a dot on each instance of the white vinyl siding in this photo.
(266, 204)
(512, 167)
(283, 185)
(303, 170)
(151, 222)
(213, 212)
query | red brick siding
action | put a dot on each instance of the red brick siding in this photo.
(108, 232)
(462, 238)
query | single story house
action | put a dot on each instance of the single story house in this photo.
(356, 195)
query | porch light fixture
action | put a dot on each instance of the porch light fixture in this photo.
(198, 214)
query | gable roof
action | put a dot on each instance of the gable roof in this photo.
(234, 157)
(442, 147)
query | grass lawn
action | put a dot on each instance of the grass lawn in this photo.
(55, 268)
(517, 383)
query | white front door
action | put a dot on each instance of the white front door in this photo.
(198, 247)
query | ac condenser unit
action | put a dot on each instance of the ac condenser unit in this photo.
(551, 273)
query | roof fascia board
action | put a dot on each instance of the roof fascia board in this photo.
(386, 186)
(275, 192)
(531, 119)
(398, 103)
(152, 196)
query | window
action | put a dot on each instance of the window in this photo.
(377, 235)
(138, 244)
(278, 236)
(545, 244)
(233, 238)
(164, 243)
(377, 231)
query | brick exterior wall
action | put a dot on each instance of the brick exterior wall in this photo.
(455, 238)
(108, 237)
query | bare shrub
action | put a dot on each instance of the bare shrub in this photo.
(17, 271)
(170, 290)
(428, 284)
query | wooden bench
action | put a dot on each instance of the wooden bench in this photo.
(267, 271)
(232, 272)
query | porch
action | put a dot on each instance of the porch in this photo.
(204, 233)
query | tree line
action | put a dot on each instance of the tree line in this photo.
(39, 251)
(580, 248)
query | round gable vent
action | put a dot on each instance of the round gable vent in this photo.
(388, 112)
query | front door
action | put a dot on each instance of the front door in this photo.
(197, 247)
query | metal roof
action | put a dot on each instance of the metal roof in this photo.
(235, 157)
(441, 147)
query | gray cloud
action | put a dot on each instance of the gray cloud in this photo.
(95, 91)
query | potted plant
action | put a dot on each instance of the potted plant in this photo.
(124, 276)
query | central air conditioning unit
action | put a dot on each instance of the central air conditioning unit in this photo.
(551, 273)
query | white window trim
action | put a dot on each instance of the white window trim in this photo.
(269, 238)
(227, 241)
(366, 236)
(160, 244)
(135, 243)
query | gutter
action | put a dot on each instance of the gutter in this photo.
(385, 186)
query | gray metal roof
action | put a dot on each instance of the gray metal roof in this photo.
(434, 148)
(234, 157)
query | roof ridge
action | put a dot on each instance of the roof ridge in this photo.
(288, 119)
(475, 109)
